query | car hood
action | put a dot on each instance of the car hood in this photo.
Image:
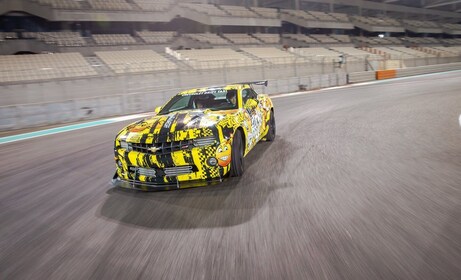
(176, 126)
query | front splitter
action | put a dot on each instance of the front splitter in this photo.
(146, 186)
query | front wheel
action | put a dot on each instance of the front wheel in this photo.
(270, 136)
(237, 167)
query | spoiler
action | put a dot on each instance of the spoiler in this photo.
(259, 83)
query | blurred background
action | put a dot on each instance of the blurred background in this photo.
(362, 181)
(69, 60)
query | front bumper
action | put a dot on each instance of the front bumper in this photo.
(148, 186)
(188, 167)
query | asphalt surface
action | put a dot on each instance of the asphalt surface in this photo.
(362, 182)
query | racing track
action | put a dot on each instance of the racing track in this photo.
(362, 182)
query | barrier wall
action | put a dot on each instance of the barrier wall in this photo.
(427, 69)
(366, 76)
(359, 77)
(41, 114)
(133, 96)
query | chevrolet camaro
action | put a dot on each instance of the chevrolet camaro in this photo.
(198, 137)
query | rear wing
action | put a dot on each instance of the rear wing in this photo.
(258, 83)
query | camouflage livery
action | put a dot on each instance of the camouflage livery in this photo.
(189, 145)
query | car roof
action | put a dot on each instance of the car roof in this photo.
(213, 88)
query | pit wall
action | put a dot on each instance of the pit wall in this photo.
(122, 97)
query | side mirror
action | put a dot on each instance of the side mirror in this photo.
(157, 109)
(251, 103)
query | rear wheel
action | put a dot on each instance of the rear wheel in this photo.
(271, 132)
(237, 167)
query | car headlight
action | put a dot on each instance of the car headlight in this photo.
(205, 141)
(125, 145)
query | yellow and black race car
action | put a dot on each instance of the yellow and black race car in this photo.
(200, 136)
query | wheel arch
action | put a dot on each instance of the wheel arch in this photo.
(244, 137)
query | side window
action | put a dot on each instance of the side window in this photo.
(253, 94)
(247, 94)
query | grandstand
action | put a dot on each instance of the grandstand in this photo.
(450, 28)
(316, 19)
(321, 16)
(265, 12)
(216, 35)
(380, 41)
(160, 37)
(419, 26)
(242, 39)
(154, 5)
(271, 55)
(324, 39)
(43, 67)
(113, 39)
(61, 4)
(208, 9)
(208, 38)
(67, 39)
(135, 61)
(213, 58)
(414, 41)
(111, 5)
(452, 41)
(127, 56)
(318, 53)
(355, 52)
(239, 11)
(341, 38)
(375, 24)
(302, 38)
(267, 38)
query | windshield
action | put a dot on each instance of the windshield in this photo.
(212, 99)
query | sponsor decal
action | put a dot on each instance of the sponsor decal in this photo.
(134, 137)
(140, 127)
(223, 153)
(169, 121)
(208, 91)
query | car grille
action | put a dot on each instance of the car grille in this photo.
(147, 172)
(178, 170)
(168, 171)
(162, 148)
(169, 147)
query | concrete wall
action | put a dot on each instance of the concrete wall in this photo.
(358, 77)
(54, 102)
(63, 111)
(366, 76)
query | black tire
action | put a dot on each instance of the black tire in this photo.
(270, 136)
(237, 167)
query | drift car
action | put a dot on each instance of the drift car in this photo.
(198, 137)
